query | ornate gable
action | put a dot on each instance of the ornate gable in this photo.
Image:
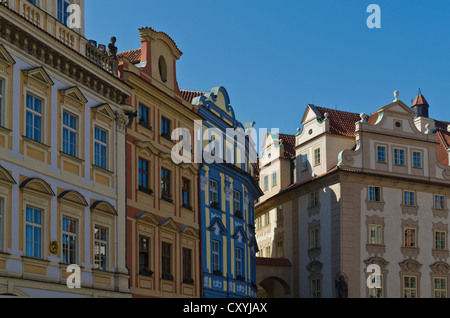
(73, 96)
(73, 198)
(38, 76)
(5, 58)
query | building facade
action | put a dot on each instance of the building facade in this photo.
(163, 224)
(62, 133)
(368, 213)
(228, 191)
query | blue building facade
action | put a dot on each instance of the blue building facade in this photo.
(228, 192)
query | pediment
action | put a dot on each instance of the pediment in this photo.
(37, 186)
(6, 177)
(240, 235)
(147, 217)
(217, 227)
(103, 207)
(73, 198)
(5, 57)
(40, 76)
(170, 224)
(398, 107)
(73, 95)
(190, 231)
(104, 110)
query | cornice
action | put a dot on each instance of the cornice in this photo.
(53, 53)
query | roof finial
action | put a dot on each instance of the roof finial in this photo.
(396, 95)
(420, 92)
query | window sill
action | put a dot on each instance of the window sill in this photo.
(167, 277)
(146, 126)
(100, 169)
(167, 199)
(410, 209)
(66, 155)
(146, 190)
(36, 143)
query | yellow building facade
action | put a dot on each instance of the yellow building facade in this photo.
(62, 139)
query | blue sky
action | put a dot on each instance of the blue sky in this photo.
(276, 57)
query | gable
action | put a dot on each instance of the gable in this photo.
(6, 177)
(103, 206)
(73, 198)
(311, 113)
(37, 186)
(104, 111)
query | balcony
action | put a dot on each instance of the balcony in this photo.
(72, 38)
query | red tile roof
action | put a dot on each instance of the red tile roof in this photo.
(190, 95)
(289, 145)
(443, 138)
(273, 262)
(420, 100)
(133, 55)
(341, 122)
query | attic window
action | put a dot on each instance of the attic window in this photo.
(162, 68)
(398, 124)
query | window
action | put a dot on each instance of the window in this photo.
(409, 198)
(314, 238)
(216, 256)
(100, 248)
(143, 167)
(268, 252)
(186, 193)
(313, 199)
(239, 263)
(375, 234)
(100, 148)
(144, 255)
(378, 281)
(213, 191)
(440, 287)
(439, 202)
(33, 232)
(166, 260)
(144, 116)
(237, 201)
(187, 265)
(316, 288)
(409, 286)
(280, 250)
(374, 194)
(399, 157)
(274, 179)
(317, 157)
(165, 128)
(165, 183)
(305, 162)
(259, 223)
(417, 159)
(2, 103)
(69, 134)
(69, 241)
(381, 154)
(266, 219)
(409, 236)
(440, 240)
(62, 11)
(266, 183)
(34, 118)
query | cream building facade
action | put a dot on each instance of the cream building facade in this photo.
(371, 193)
(62, 138)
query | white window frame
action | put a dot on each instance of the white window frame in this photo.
(410, 200)
(34, 226)
(236, 201)
(414, 153)
(384, 154)
(213, 192)
(70, 130)
(99, 242)
(375, 234)
(373, 194)
(317, 156)
(239, 263)
(440, 202)
(35, 113)
(72, 235)
(216, 256)
(101, 144)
